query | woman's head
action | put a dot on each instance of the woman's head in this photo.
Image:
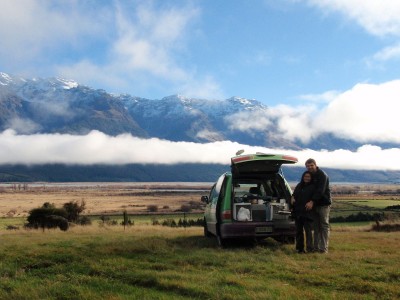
(306, 177)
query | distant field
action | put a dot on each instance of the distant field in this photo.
(112, 199)
(101, 199)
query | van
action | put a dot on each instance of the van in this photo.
(252, 201)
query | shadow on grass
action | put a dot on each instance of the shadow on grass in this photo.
(211, 242)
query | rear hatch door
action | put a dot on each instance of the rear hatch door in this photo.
(259, 164)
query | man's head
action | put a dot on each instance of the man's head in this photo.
(311, 165)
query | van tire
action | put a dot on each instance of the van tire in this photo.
(206, 232)
(220, 241)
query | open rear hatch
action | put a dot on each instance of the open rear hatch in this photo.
(260, 163)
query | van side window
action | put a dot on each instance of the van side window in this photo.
(216, 190)
(222, 189)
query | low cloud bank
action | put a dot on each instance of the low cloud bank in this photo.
(99, 148)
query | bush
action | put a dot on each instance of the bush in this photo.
(48, 218)
(186, 208)
(152, 208)
(386, 227)
(84, 220)
(181, 223)
(104, 218)
(129, 222)
(394, 207)
(359, 217)
(169, 222)
(74, 209)
(12, 227)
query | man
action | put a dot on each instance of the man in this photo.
(321, 202)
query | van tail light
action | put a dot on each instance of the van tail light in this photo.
(226, 215)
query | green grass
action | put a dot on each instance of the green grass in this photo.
(345, 207)
(375, 203)
(137, 219)
(154, 262)
(146, 219)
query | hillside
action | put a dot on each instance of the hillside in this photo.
(56, 105)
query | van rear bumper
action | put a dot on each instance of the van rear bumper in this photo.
(257, 229)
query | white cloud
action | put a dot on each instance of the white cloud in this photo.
(367, 157)
(30, 28)
(387, 54)
(367, 113)
(377, 17)
(120, 46)
(145, 54)
(209, 135)
(293, 123)
(320, 98)
(25, 126)
(247, 121)
(96, 147)
(147, 39)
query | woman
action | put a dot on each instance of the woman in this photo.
(303, 218)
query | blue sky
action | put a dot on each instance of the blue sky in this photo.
(276, 52)
(322, 66)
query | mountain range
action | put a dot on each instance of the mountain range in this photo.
(63, 106)
(56, 105)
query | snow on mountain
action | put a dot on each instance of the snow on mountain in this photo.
(64, 106)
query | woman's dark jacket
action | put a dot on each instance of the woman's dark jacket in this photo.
(302, 194)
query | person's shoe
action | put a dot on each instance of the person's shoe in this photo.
(301, 251)
(323, 251)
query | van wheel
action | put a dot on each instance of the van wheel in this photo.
(220, 241)
(206, 232)
(286, 239)
(290, 240)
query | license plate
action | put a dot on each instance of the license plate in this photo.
(263, 229)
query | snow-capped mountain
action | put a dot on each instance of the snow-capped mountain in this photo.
(58, 105)
(64, 106)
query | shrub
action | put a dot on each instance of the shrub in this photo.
(169, 222)
(186, 208)
(104, 218)
(73, 210)
(47, 218)
(129, 222)
(152, 208)
(394, 207)
(195, 204)
(48, 205)
(84, 220)
(386, 227)
(359, 217)
(12, 227)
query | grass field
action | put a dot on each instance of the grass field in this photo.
(154, 262)
(157, 262)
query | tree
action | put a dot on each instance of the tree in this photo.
(74, 209)
(45, 217)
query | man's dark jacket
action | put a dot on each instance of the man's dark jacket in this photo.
(322, 194)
